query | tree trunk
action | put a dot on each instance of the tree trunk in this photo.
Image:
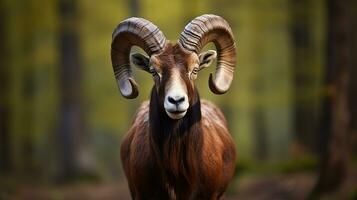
(304, 74)
(5, 147)
(353, 81)
(334, 131)
(75, 157)
(134, 8)
(261, 143)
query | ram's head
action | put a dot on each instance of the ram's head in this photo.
(174, 66)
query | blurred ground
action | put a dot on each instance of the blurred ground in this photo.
(281, 186)
(277, 186)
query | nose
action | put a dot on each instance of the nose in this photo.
(176, 100)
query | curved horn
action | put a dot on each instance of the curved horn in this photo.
(133, 31)
(212, 28)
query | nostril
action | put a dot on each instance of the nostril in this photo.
(171, 100)
(176, 101)
(180, 100)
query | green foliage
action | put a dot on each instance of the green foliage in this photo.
(307, 164)
(353, 194)
(303, 164)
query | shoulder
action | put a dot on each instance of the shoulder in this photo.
(142, 113)
(139, 125)
(140, 120)
(211, 114)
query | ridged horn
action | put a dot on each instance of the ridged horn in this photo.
(212, 28)
(133, 31)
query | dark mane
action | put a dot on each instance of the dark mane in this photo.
(177, 142)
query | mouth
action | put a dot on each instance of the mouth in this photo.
(177, 114)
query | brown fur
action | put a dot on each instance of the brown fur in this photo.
(189, 158)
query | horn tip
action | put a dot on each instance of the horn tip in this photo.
(213, 87)
(133, 92)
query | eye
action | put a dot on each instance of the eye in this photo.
(154, 73)
(193, 74)
(152, 70)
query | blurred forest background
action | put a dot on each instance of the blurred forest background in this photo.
(291, 110)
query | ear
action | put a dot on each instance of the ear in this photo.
(206, 58)
(141, 61)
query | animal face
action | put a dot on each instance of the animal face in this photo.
(174, 71)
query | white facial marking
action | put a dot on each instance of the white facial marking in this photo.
(176, 100)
